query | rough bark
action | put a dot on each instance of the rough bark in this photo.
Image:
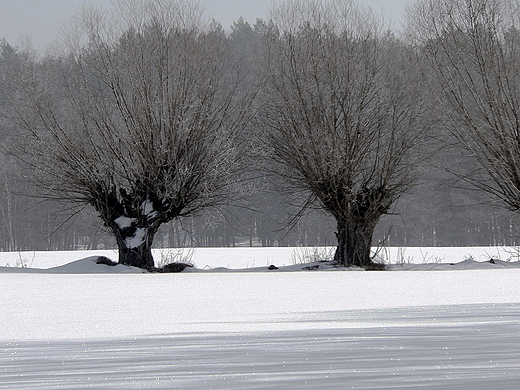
(354, 243)
(134, 218)
(134, 245)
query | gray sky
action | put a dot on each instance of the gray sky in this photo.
(40, 20)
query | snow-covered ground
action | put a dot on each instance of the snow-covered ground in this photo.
(242, 257)
(88, 326)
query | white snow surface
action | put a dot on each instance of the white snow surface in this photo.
(147, 207)
(244, 257)
(124, 222)
(80, 325)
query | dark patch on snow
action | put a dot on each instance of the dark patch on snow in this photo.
(375, 267)
(311, 267)
(173, 268)
(106, 261)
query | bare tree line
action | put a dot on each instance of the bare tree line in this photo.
(152, 114)
(472, 50)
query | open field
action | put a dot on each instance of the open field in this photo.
(244, 257)
(75, 329)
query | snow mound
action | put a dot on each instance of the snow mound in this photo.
(83, 266)
(463, 265)
(315, 266)
(89, 266)
(330, 266)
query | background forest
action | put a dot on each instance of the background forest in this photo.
(441, 210)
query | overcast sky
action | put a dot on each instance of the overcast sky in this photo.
(40, 20)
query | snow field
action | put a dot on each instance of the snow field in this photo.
(245, 257)
(473, 357)
(261, 330)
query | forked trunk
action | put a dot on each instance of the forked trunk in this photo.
(354, 243)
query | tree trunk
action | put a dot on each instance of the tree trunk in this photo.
(134, 245)
(354, 243)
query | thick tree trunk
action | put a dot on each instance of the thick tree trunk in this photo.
(134, 244)
(140, 256)
(354, 243)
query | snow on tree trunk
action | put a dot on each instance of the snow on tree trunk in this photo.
(134, 242)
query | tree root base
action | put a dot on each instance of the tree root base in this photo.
(172, 268)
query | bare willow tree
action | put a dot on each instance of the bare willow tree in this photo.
(472, 52)
(140, 118)
(343, 115)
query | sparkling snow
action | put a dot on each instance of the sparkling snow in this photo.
(84, 325)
